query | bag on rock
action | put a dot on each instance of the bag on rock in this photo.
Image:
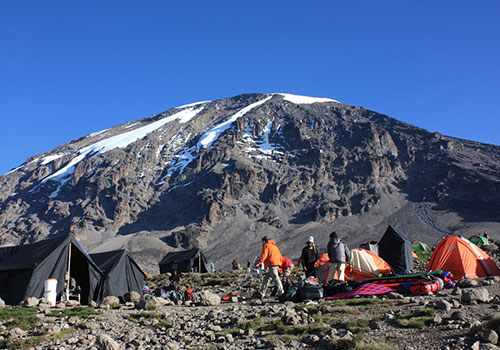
(289, 295)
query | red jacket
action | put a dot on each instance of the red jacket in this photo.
(270, 255)
(285, 262)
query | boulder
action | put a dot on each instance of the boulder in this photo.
(467, 283)
(31, 302)
(132, 297)
(2, 303)
(109, 300)
(149, 302)
(490, 336)
(209, 298)
(475, 295)
(17, 333)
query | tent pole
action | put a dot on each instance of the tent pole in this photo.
(68, 272)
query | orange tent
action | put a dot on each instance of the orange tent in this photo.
(462, 258)
(366, 264)
(322, 268)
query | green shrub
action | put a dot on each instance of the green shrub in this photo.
(80, 311)
(24, 318)
(418, 318)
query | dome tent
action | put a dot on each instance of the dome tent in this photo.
(479, 240)
(365, 264)
(419, 247)
(462, 259)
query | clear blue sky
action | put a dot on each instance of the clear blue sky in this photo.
(69, 68)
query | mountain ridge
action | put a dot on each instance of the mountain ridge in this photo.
(219, 174)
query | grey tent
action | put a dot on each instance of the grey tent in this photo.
(396, 249)
(184, 261)
(121, 273)
(24, 271)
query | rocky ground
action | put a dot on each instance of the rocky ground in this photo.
(465, 317)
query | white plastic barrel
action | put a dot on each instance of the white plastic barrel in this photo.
(51, 290)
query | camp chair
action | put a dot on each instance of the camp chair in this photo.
(74, 290)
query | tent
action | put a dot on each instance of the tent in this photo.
(419, 247)
(479, 240)
(322, 268)
(191, 260)
(121, 273)
(371, 246)
(366, 264)
(23, 273)
(395, 248)
(462, 259)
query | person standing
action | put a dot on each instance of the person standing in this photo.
(339, 254)
(271, 257)
(309, 256)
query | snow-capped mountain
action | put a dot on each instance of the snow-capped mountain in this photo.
(220, 174)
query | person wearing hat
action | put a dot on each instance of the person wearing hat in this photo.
(271, 257)
(339, 254)
(309, 256)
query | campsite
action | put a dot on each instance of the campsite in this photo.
(221, 311)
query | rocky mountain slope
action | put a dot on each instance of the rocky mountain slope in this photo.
(220, 174)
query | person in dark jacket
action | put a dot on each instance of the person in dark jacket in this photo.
(339, 254)
(309, 256)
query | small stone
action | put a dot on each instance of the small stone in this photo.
(17, 333)
(105, 342)
(443, 304)
(394, 295)
(229, 338)
(2, 303)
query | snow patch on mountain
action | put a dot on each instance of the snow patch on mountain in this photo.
(193, 104)
(118, 141)
(297, 99)
(51, 158)
(186, 155)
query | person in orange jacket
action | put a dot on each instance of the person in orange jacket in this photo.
(271, 257)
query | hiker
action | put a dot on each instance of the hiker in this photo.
(339, 254)
(175, 280)
(236, 265)
(286, 269)
(309, 257)
(271, 257)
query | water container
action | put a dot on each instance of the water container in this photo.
(51, 290)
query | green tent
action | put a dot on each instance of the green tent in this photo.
(419, 247)
(479, 240)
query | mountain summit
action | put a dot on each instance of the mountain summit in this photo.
(221, 174)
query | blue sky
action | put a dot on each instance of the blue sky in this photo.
(69, 68)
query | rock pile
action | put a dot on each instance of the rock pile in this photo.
(461, 318)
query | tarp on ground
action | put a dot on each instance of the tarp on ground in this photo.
(121, 273)
(396, 249)
(462, 258)
(23, 273)
(479, 240)
(184, 261)
(365, 264)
